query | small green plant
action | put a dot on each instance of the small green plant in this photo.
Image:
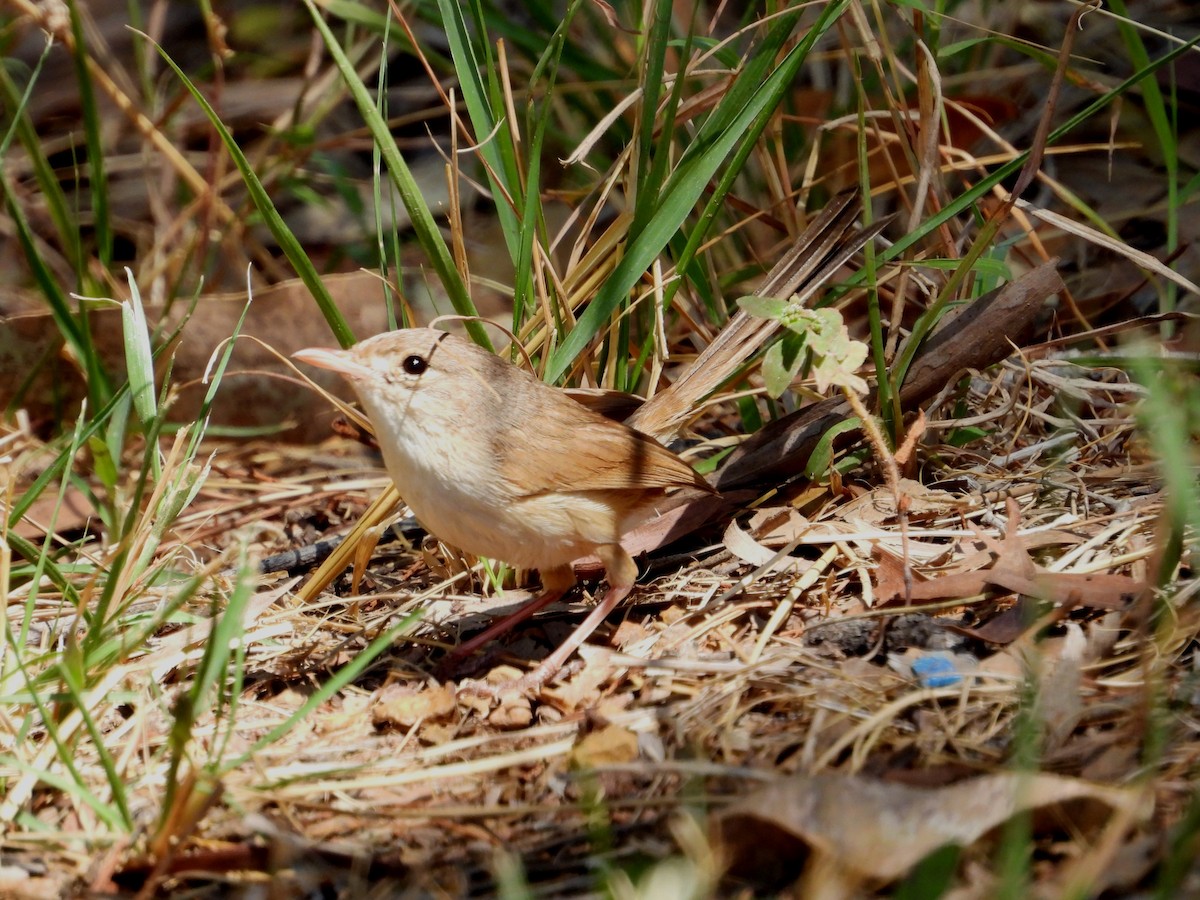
(816, 342)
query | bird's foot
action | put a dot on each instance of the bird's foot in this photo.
(502, 688)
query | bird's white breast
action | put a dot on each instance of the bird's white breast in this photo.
(452, 486)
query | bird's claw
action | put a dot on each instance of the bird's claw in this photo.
(527, 686)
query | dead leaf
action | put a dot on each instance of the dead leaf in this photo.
(582, 689)
(682, 520)
(878, 507)
(915, 432)
(879, 830)
(402, 706)
(73, 513)
(610, 16)
(514, 712)
(748, 550)
(1005, 627)
(777, 526)
(610, 745)
(628, 633)
(1008, 565)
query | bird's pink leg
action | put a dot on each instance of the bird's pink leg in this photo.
(555, 583)
(622, 572)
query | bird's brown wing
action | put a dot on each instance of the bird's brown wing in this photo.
(614, 457)
(615, 405)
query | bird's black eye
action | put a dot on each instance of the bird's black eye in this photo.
(415, 365)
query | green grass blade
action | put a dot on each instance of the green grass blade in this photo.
(21, 127)
(423, 225)
(262, 202)
(31, 552)
(968, 198)
(77, 691)
(336, 682)
(1165, 133)
(106, 813)
(74, 785)
(42, 559)
(93, 135)
(51, 472)
(651, 165)
(579, 56)
(777, 87)
(714, 144)
(497, 150)
(228, 628)
(69, 326)
(545, 73)
(139, 357)
(384, 200)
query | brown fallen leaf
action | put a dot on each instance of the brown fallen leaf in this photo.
(775, 526)
(583, 689)
(73, 513)
(1060, 703)
(1008, 566)
(877, 508)
(871, 830)
(749, 550)
(1004, 627)
(401, 706)
(512, 714)
(610, 745)
(514, 710)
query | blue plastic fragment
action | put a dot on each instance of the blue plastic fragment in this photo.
(936, 671)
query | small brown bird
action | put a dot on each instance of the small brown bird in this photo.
(495, 462)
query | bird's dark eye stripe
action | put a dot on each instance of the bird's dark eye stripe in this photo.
(415, 365)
